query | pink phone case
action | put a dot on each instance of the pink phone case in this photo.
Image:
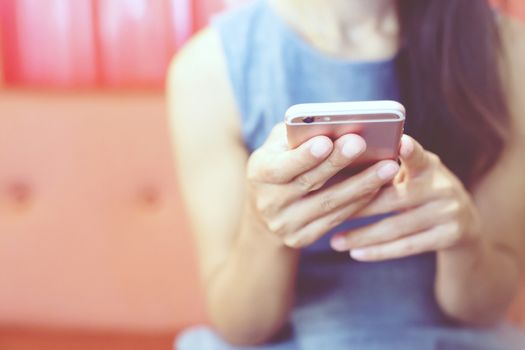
(380, 123)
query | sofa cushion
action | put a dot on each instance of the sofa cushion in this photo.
(92, 232)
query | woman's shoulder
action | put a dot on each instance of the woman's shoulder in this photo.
(199, 59)
(198, 83)
(205, 50)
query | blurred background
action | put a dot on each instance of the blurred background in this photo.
(94, 245)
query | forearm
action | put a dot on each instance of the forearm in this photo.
(250, 296)
(476, 283)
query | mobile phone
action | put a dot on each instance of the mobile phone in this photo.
(380, 123)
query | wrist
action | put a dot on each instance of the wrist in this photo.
(470, 237)
(467, 258)
(255, 235)
(474, 247)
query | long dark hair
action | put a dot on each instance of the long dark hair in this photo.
(449, 68)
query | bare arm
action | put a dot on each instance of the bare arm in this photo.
(211, 165)
(476, 284)
(251, 213)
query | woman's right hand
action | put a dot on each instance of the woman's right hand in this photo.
(285, 194)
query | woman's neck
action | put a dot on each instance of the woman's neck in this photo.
(357, 29)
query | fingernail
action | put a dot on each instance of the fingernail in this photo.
(338, 243)
(352, 147)
(320, 148)
(387, 171)
(358, 254)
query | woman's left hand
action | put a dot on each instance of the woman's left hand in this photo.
(434, 212)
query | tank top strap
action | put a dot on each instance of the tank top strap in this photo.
(240, 32)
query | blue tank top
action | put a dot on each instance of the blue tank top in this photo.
(339, 302)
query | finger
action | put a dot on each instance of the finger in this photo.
(403, 196)
(436, 238)
(396, 226)
(346, 149)
(274, 164)
(363, 185)
(366, 183)
(413, 156)
(315, 229)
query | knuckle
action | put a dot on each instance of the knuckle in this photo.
(270, 174)
(299, 242)
(308, 240)
(260, 205)
(437, 243)
(264, 207)
(370, 185)
(447, 191)
(434, 158)
(256, 171)
(407, 201)
(277, 227)
(454, 206)
(455, 232)
(335, 162)
(295, 241)
(339, 217)
(448, 209)
(390, 198)
(398, 227)
(305, 183)
(294, 244)
(327, 203)
(362, 186)
(260, 169)
(409, 247)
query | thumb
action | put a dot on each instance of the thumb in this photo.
(413, 156)
(277, 163)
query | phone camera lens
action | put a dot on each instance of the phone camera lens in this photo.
(308, 120)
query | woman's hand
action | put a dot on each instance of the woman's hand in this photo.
(284, 186)
(435, 212)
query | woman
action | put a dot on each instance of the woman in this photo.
(288, 263)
